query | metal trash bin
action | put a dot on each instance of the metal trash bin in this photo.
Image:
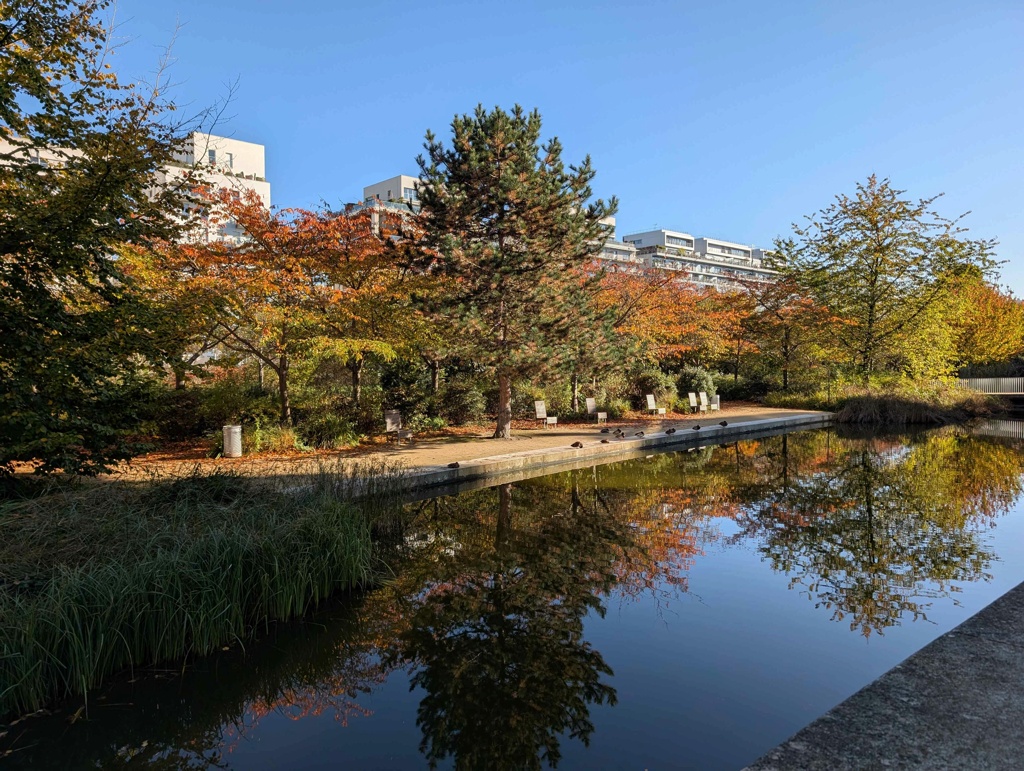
(232, 441)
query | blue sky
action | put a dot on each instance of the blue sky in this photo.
(726, 119)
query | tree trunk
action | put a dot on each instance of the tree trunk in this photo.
(503, 430)
(259, 372)
(504, 525)
(282, 390)
(575, 392)
(356, 368)
(435, 376)
(179, 378)
(785, 361)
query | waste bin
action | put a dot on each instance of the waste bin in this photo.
(232, 441)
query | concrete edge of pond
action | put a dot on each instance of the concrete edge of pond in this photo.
(956, 703)
(489, 468)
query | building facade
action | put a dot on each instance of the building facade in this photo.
(224, 164)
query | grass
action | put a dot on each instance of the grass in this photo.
(898, 403)
(101, 578)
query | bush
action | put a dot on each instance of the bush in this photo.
(425, 423)
(741, 388)
(230, 398)
(616, 408)
(328, 430)
(696, 379)
(460, 403)
(652, 381)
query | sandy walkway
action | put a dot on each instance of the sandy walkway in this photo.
(436, 450)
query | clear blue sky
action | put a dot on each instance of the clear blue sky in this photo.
(726, 119)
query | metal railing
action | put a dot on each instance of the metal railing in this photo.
(994, 385)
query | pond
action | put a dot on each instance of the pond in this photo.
(684, 610)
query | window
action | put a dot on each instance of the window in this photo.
(676, 241)
(410, 194)
(231, 160)
(211, 156)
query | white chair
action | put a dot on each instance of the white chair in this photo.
(602, 417)
(652, 406)
(716, 402)
(693, 402)
(393, 425)
(542, 415)
(703, 402)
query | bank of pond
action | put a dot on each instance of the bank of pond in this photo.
(694, 607)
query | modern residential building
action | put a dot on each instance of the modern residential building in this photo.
(400, 192)
(226, 164)
(707, 261)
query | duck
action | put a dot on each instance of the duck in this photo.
(577, 445)
(724, 423)
(453, 465)
(696, 428)
(670, 431)
(605, 441)
(639, 433)
(605, 430)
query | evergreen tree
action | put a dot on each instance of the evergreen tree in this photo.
(510, 229)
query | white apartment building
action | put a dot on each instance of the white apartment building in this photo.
(226, 164)
(400, 192)
(707, 261)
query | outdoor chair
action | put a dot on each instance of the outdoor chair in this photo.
(393, 426)
(652, 407)
(602, 417)
(703, 402)
(542, 415)
(693, 402)
(716, 402)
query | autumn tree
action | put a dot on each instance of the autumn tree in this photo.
(510, 227)
(988, 324)
(300, 283)
(786, 324)
(881, 261)
(77, 154)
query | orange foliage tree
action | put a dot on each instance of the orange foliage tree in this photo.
(989, 325)
(300, 283)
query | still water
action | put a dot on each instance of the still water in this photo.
(687, 610)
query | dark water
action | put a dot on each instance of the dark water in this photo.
(688, 610)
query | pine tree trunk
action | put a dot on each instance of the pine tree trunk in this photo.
(575, 392)
(435, 376)
(356, 368)
(282, 390)
(503, 430)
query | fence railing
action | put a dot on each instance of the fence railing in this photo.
(1011, 429)
(994, 385)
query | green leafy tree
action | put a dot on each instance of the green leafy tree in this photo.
(77, 156)
(881, 262)
(510, 229)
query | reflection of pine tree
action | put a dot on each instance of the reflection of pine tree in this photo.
(498, 647)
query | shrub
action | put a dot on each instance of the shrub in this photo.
(460, 403)
(695, 380)
(425, 423)
(652, 381)
(230, 398)
(740, 388)
(616, 408)
(328, 430)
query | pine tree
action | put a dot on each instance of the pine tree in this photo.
(510, 229)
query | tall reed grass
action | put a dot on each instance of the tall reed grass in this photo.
(97, 580)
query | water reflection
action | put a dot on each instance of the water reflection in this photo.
(484, 617)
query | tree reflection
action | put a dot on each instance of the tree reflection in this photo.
(487, 593)
(889, 525)
(496, 640)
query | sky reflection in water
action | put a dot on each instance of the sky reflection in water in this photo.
(691, 609)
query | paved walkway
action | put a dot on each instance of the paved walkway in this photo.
(442, 450)
(958, 703)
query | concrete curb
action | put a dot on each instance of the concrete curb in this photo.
(956, 703)
(595, 452)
